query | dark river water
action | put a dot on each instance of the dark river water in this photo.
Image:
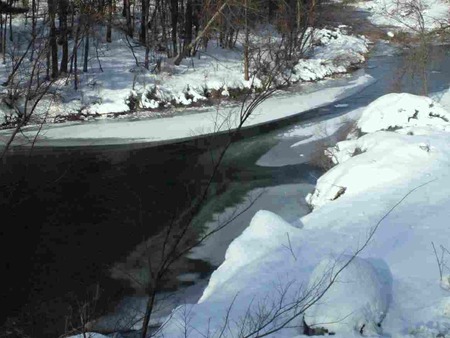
(68, 214)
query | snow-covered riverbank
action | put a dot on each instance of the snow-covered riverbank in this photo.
(411, 16)
(117, 86)
(178, 127)
(272, 261)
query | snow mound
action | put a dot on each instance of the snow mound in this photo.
(333, 52)
(255, 278)
(356, 301)
(378, 160)
(393, 111)
(265, 233)
(412, 150)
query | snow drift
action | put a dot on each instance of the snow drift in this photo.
(356, 302)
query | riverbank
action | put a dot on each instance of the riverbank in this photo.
(84, 206)
(117, 86)
(409, 164)
(297, 144)
(182, 127)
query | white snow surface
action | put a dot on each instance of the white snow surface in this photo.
(118, 73)
(402, 110)
(419, 144)
(278, 106)
(414, 16)
(333, 52)
(356, 302)
(394, 281)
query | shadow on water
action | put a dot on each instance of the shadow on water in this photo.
(68, 214)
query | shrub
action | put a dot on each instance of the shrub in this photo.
(152, 94)
(133, 101)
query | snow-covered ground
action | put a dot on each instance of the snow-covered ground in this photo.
(116, 72)
(414, 16)
(393, 287)
(278, 106)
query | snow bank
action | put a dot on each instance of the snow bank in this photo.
(356, 302)
(246, 285)
(395, 281)
(402, 110)
(407, 15)
(117, 82)
(264, 234)
(384, 155)
(333, 52)
(196, 123)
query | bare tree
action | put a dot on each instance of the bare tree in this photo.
(25, 88)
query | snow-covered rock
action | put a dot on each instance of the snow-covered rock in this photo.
(357, 300)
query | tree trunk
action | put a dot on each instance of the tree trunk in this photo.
(188, 26)
(144, 16)
(63, 35)
(181, 56)
(163, 26)
(47, 71)
(2, 49)
(52, 39)
(75, 57)
(4, 38)
(148, 312)
(127, 13)
(109, 24)
(174, 22)
(10, 23)
(86, 51)
(33, 27)
(246, 58)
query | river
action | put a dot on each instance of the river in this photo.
(69, 214)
